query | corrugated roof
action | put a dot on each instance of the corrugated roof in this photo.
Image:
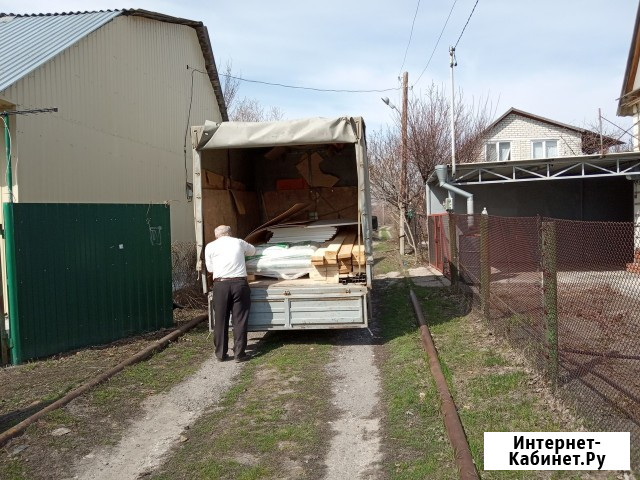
(28, 41)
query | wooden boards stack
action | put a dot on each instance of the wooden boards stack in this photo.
(337, 258)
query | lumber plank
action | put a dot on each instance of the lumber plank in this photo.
(347, 246)
(318, 256)
(318, 273)
(358, 255)
(331, 252)
(333, 274)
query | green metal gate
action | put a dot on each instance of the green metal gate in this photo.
(88, 274)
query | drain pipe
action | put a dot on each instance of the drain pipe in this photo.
(441, 172)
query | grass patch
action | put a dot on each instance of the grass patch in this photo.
(269, 424)
(492, 389)
(13, 469)
(384, 234)
(98, 417)
(416, 441)
(157, 374)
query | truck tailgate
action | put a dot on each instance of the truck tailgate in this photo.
(298, 307)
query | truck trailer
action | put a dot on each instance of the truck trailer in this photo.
(313, 172)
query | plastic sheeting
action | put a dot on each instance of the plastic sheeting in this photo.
(281, 261)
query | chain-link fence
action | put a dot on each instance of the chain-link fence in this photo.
(187, 290)
(566, 294)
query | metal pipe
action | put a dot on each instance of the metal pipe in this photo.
(452, 423)
(10, 265)
(141, 355)
(441, 172)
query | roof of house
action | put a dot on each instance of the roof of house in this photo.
(29, 41)
(522, 113)
(629, 96)
(610, 141)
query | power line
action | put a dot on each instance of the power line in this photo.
(335, 90)
(410, 35)
(186, 128)
(465, 25)
(436, 45)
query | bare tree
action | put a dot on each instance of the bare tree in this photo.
(428, 145)
(614, 139)
(429, 125)
(230, 85)
(251, 110)
(247, 109)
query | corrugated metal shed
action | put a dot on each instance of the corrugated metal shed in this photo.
(29, 41)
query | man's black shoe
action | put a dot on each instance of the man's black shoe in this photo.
(223, 359)
(241, 358)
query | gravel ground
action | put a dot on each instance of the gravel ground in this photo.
(355, 450)
(166, 416)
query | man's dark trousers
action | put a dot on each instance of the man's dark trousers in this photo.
(231, 296)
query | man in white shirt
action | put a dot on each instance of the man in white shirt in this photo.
(231, 294)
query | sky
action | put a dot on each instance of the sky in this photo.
(561, 59)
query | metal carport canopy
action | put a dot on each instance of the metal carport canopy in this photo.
(586, 166)
(306, 131)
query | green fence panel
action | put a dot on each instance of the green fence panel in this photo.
(88, 274)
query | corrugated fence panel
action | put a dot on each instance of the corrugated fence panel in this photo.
(88, 274)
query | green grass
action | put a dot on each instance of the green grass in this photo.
(492, 393)
(157, 374)
(268, 424)
(384, 234)
(13, 469)
(98, 417)
(417, 444)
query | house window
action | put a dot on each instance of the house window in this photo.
(498, 151)
(544, 148)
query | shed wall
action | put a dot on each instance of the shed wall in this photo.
(594, 199)
(123, 94)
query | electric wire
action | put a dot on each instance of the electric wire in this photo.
(465, 25)
(410, 35)
(335, 90)
(186, 129)
(436, 45)
(624, 132)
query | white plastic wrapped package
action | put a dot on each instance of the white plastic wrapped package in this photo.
(281, 261)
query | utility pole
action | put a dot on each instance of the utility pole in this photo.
(452, 63)
(601, 139)
(404, 152)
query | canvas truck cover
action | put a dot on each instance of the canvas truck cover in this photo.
(306, 131)
(214, 136)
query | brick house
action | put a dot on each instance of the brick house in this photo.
(519, 135)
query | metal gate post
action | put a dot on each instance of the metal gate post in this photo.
(550, 294)
(453, 252)
(9, 247)
(485, 267)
